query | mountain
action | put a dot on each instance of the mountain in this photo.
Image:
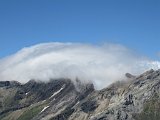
(137, 98)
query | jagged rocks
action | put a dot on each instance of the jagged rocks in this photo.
(8, 84)
(129, 100)
(89, 106)
(4, 83)
(130, 76)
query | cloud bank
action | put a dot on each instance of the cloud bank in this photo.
(100, 64)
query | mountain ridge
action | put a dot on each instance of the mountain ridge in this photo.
(60, 99)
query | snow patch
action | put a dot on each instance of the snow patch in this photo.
(44, 109)
(43, 101)
(57, 92)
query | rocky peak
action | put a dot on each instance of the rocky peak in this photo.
(130, 76)
(9, 84)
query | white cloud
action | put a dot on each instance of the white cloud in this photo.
(101, 64)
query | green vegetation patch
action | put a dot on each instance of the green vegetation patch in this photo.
(151, 110)
(9, 99)
(3, 116)
(30, 113)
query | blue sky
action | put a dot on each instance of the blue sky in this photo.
(132, 23)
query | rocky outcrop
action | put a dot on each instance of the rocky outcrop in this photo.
(9, 84)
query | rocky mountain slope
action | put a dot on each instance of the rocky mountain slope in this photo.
(138, 98)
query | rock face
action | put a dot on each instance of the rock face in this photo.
(128, 75)
(135, 99)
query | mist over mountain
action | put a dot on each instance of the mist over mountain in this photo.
(73, 81)
(99, 64)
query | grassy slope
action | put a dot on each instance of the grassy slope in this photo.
(30, 113)
(151, 110)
